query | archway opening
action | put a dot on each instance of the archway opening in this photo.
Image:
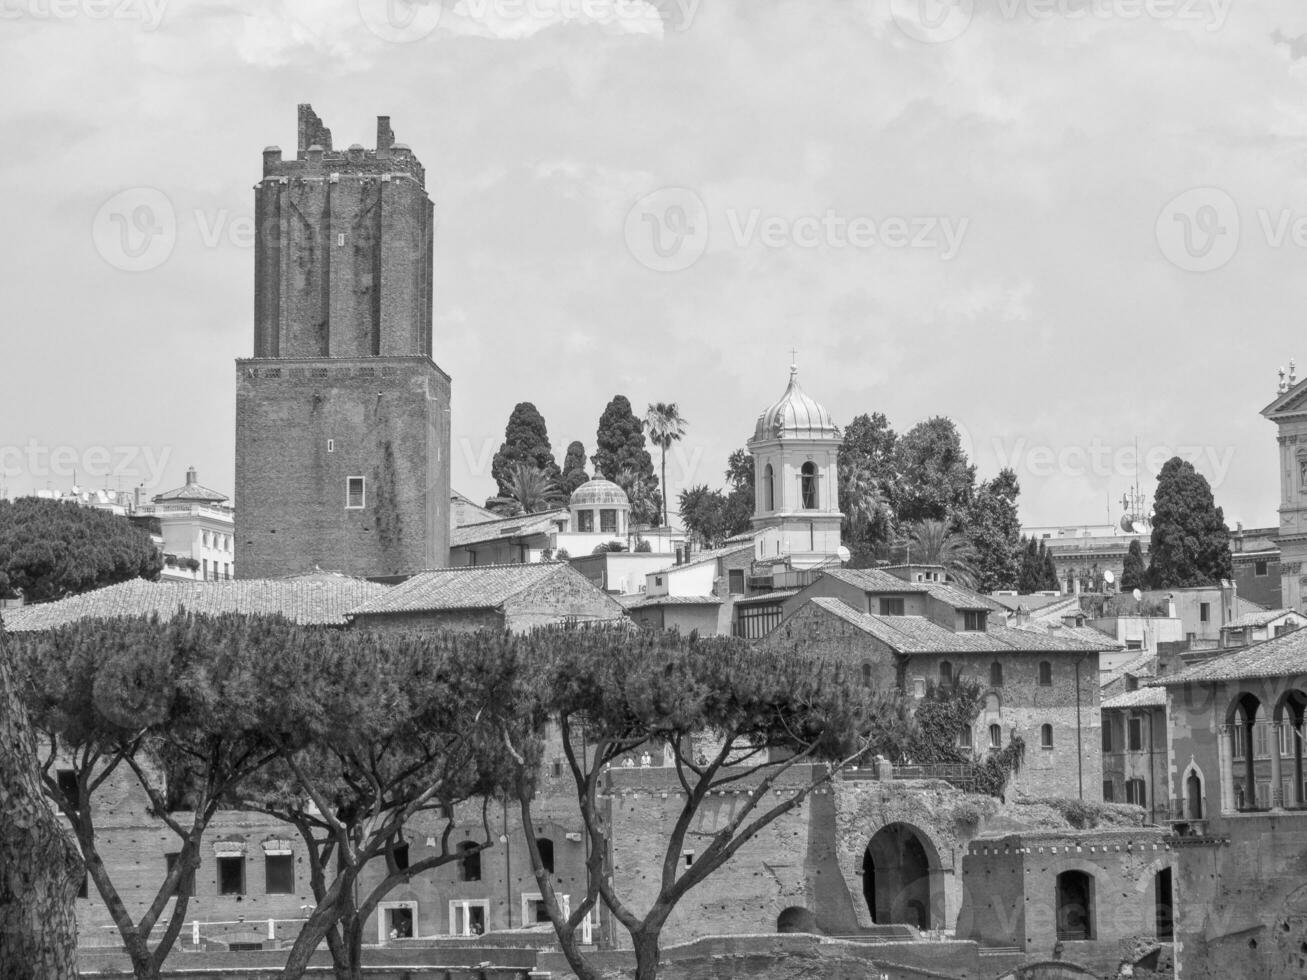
(1075, 905)
(897, 869)
(796, 919)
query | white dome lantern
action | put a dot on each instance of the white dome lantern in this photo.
(600, 507)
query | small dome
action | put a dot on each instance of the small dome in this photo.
(599, 493)
(796, 416)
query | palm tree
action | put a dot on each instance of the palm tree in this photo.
(932, 543)
(866, 510)
(529, 492)
(665, 426)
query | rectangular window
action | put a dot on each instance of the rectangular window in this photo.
(973, 620)
(1107, 736)
(204, 570)
(1264, 796)
(964, 738)
(1204, 612)
(735, 577)
(1238, 741)
(1136, 734)
(1108, 790)
(1136, 792)
(1259, 569)
(585, 521)
(231, 875)
(608, 521)
(1261, 743)
(279, 874)
(355, 494)
(891, 606)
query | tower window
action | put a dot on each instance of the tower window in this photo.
(546, 848)
(355, 494)
(231, 875)
(279, 874)
(768, 489)
(469, 861)
(808, 485)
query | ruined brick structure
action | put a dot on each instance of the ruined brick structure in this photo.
(342, 417)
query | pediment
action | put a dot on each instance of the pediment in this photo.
(1289, 403)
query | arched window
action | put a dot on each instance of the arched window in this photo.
(866, 675)
(1046, 736)
(945, 672)
(1075, 905)
(808, 484)
(995, 737)
(768, 488)
(469, 861)
(1193, 785)
(546, 847)
(1045, 674)
(996, 674)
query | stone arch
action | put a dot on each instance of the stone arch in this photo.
(902, 879)
(1290, 713)
(796, 918)
(1242, 716)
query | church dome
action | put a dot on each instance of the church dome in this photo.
(797, 415)
(599, 493)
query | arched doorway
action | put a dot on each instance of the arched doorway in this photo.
(897, 871)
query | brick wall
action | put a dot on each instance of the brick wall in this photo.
(303, 428)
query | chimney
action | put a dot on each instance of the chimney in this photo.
(385, 137)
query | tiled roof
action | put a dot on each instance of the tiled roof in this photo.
(1264, 618)
(505, 527)
(874, 580)
(1277, 657)
(647, 602)
(1143, 664)
(1031, 602)
(706, 556)
(468, 587)
(1144, 697)
(916, 634)
(960, 598)
(320, 598)
(776, 596)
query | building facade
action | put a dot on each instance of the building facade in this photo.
(342, 416)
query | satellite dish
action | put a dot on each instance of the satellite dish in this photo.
(1137, 594)
(843, 553)
(1127, 524)
(1109, 577)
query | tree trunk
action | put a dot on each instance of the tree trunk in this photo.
(664, 469)
(39, 865)
(647, 953)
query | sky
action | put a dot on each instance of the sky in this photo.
(1072, 226)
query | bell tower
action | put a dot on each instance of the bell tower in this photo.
(795, 449)
(1289, 413)
(342, 417)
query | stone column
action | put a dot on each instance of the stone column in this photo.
(1277, 786)
(1225, 734)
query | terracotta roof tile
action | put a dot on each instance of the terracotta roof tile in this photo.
(468, 587)
(1280, 656)
(505, 527)
(317, 599)
(874, 580)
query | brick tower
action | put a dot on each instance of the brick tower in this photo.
(342, 417)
